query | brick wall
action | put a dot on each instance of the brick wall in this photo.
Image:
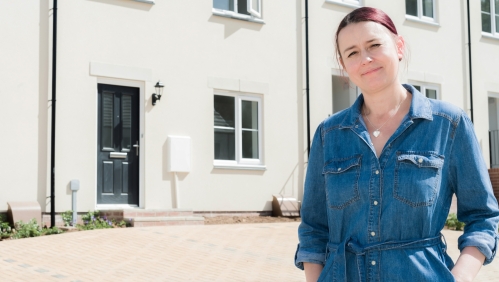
(494, 178)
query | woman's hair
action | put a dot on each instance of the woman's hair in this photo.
(365, 14)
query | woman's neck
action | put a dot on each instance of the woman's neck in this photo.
(378, 104)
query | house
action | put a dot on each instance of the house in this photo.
(233, 103)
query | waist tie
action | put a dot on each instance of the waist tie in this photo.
(351, 245)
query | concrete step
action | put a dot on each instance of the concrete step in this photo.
(129, 214)
(166, 221)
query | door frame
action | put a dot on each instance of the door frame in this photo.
(141, 86)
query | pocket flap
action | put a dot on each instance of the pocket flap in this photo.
(341, 165)
(421, 160)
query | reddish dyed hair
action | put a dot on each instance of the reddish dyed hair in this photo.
(365, 14)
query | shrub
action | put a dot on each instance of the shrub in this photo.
(93, 220)
(67, 217)
(453, 223)
(51, 231)
(26, 230)
(5, 228)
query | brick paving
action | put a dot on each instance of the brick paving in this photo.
(239, 252)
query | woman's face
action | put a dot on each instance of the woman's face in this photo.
(370, 54)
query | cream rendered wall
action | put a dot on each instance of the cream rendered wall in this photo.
(24, 108)
(183, 45)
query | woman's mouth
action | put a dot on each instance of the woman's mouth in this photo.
(371, 71)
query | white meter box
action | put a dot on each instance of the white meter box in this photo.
(179, 154)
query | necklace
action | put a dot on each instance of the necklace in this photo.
(376, 132)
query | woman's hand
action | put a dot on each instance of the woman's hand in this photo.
(468, 264)
(312, 271)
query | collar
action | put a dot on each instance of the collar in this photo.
(420, 108)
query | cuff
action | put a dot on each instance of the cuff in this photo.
(304, 256)
(487, 249)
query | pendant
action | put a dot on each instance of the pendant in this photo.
(376, 133)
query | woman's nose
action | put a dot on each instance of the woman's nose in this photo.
(366, 58)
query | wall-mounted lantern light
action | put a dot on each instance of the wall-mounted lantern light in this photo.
(159, 91)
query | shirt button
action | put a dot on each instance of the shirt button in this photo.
(339, 168)
(377, 171)
(356, 126)
(375, 203)
(373, 262)
(373, 234)
(420, 160)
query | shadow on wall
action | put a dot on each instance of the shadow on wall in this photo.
(167, 176)
(44, 106)
(126, 4)
(233, 25)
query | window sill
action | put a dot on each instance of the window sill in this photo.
(418, 20)
(145, 1)
(346, 4)
(239, 167)
(233, 15)
(490, 35)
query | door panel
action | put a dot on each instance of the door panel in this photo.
(117, 155)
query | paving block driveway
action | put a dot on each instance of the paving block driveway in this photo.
(238, 252)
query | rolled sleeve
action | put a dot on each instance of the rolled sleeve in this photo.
(313, 230)
(476, 204)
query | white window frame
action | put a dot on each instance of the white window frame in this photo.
(240, 162)
(493, 32)
(347, 3)
(425, 86)
(254, 15)
(420, 17)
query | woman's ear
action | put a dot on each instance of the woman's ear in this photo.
(400, 44)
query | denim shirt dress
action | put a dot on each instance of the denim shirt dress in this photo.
(379, 219)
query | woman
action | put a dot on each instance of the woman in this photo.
(382, 173)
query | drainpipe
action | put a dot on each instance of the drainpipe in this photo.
(469, 56)
(52, 145)
(307, 78)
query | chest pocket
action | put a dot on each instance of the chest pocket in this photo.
(342, 181)
(417, 178)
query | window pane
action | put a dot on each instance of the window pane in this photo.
(497, 24)
(224, 4)
(486, 26)
(126, 121)
(225, 139)
(242, 7)
(431, 93)
(225, 144)
(107, 120)
(486, 6)
(417, 87)
(496, 7)
(224, 111)
(428, 8)
(411, 7)
(250, 144)
(256, 4)
(249, 114)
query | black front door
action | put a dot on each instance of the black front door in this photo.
(118, 145)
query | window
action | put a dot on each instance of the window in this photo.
(349, 3)
(237, 126)
(240, 9)
(490, 16)
(423, 10)
(429, 91)
(344, 93)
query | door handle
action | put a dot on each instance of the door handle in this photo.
(136, 146)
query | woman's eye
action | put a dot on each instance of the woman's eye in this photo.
(375, 45)
(351, 54)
